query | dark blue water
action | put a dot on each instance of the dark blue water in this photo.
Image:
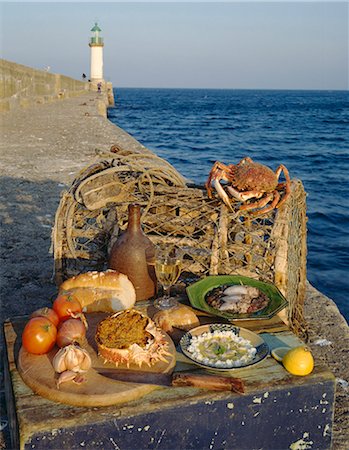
(305, 130)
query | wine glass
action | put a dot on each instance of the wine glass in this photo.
(168, 261)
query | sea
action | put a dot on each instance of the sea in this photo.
(307, 131)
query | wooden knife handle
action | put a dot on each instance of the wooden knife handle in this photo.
(211, 382)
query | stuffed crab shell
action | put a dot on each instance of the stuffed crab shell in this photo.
(129, 337)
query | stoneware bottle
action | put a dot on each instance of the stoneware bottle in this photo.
(133, 254)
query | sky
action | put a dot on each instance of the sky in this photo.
(238, 45)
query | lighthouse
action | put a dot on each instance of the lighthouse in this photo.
(96, 44)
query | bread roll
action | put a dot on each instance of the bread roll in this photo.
(108, 291)
(182, 317)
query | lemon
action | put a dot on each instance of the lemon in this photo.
(298, 361)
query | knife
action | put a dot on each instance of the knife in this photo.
(200, 381)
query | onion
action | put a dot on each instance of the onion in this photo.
(71, 331)
(49, 313)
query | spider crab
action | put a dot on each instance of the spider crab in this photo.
(250, 180)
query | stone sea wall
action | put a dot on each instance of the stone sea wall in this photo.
(22, 86)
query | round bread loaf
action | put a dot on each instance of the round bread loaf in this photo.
(182, 317)
(108, 291)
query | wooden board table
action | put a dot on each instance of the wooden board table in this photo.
(277, 411)
(97, 390)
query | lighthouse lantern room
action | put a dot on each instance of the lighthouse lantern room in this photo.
(96, 44)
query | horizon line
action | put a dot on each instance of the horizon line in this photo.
(232, 89)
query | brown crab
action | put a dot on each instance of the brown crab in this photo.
(249, 180)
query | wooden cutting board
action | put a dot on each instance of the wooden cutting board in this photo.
(38, 373)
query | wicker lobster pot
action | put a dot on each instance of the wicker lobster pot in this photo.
(93, 212)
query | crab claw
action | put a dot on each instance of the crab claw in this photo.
(221, 192)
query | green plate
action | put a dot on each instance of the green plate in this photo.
(197, 292)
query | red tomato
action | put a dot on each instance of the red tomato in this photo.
(66, 305)
(49, 313)
(39, 335)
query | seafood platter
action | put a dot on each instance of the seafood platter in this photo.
(236, 297)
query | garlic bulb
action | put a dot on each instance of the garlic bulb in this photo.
(73, 358)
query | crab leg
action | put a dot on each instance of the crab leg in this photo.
(218, 172)
(221, 192)
(270, 207)
(243, 196)
(278, 171)
(260, 204)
